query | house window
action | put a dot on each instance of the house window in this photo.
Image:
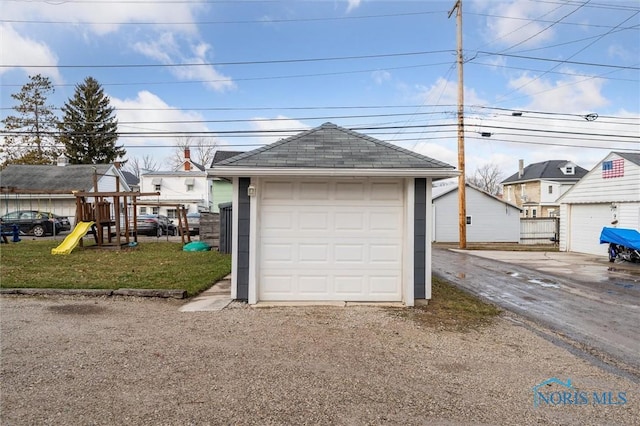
(550, 189)
(156, 187)
(143, 210)
(468, 220)
(526, 212)
(568, 170)
(155, 210)
(172, 213)
(534, 213)
(552, 213)
(189, 182)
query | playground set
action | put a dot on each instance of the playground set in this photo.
(111, 217)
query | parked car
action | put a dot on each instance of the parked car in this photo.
(193, 219)
(32, 222)
(65, 224)
(155, 225)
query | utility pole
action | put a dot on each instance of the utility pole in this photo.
(462, 203)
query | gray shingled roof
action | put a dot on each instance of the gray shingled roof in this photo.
(51, 177)
(224, 155)
(547, 170)
(334, 147)
(630, 156)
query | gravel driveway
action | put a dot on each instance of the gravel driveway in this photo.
(140, 361)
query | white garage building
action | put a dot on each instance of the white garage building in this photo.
(609, 195)
(331, 215)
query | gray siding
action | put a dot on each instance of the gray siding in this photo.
(419, 238)
(243, 238)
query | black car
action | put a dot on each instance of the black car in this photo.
(155, 225)
(32, 222)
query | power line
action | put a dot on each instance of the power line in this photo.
(271, 61)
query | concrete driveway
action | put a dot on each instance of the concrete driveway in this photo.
(591, 302)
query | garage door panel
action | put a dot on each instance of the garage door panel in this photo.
(314, 191)
(586, 223)
(313, 284)
(350, 191)
(280, 252)
(387, 191)
(349, 284)
(349, 253)
(336, 240)
(277, 190)
(313, 253)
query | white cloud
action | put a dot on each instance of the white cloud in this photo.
(168, 50)
(570, 94)
(17, 49)
(380, 76)
(104, 17)
(445, 92)
(279, 122)
(353, 4)
(517, 21)
(149, 113)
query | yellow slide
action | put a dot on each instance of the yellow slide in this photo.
(72, 240)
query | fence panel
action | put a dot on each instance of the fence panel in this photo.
(539, 230)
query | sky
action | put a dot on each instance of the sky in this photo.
(543, 79)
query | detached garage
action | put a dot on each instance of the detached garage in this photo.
(331, 215)
(609, 195)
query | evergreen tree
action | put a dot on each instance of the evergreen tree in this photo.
(89, 128)
(28, 135)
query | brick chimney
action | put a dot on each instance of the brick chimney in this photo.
(187, 159)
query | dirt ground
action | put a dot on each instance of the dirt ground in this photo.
(140, 361)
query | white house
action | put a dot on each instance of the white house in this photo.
(489, 218)
(187, 185)
(609, 195)
(50, 188)
(331, 215)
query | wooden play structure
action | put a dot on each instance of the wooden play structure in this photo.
(115, 221)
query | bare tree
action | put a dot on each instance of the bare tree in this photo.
(138, 166)
(201, 151)
(487, 178)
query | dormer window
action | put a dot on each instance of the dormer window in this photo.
(569, 170)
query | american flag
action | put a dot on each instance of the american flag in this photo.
(613, 168)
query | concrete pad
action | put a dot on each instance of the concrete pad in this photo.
(206, 304)
(215, 298)
(296, 304)
(376, 304)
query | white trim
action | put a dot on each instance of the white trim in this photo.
(408, 295)
(253, 243)
(234, 242)
(228, 171)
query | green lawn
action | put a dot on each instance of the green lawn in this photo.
(30, 264)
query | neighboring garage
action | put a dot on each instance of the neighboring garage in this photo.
(331, 215)
(609, 195)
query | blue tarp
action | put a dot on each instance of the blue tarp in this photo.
(629, 238)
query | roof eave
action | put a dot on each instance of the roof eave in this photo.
(223, 171)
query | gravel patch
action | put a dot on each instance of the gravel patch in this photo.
(73, 360)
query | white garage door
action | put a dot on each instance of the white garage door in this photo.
(331, 240)
(586, 221)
